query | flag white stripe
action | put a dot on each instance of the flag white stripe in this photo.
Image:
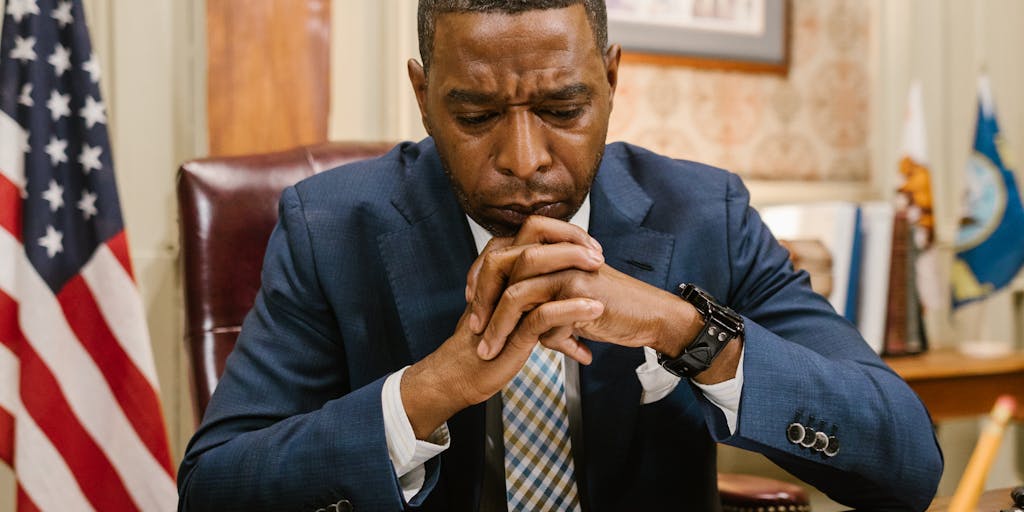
(9, 380)
(42, 472)
(12, 159)
(121, 305)
(84, 387)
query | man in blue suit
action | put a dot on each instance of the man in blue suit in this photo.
(511, 315)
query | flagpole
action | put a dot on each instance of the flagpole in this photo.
(981, 342)
(979, 38)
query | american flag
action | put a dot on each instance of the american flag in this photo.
(80, 417)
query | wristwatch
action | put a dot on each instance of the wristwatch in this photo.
(721, 325)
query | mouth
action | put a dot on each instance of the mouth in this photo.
(516, 214)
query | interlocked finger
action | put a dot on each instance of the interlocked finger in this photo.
(562, 340)
(544, 230)
(493, 244)
(516, 301)
(506, 267)
(548, 317)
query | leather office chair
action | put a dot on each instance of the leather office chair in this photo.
(228, 208)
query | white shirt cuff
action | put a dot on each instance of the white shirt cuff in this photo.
(656, 381)
(726, 395)
(408, 454)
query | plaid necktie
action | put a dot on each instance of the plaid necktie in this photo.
(539, 473)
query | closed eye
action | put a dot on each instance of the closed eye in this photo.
(476, 119)
(563, 114)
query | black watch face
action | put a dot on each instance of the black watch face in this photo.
(694, 295)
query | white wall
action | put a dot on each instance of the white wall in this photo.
(371, 98)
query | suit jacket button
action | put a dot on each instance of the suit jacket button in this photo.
(820, 441)
(832, 448)
(344, 506)
(808, 440)
(795, 433)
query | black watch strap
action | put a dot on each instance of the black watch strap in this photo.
(721, 325)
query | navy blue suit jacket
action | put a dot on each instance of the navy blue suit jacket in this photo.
(365, 273)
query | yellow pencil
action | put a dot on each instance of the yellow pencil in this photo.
(965, 499)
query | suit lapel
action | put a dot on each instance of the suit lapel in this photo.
(609, 388)
(426, 260)
(426, 263)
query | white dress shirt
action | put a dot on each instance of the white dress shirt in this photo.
(408, 454)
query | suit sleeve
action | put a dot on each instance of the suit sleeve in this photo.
(804, 363)
(283, 430)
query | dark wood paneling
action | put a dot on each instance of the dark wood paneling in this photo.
(268, 82)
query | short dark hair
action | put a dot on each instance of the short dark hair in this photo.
(430, 9)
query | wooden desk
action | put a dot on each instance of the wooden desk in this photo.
(991, 501)
(952, 385)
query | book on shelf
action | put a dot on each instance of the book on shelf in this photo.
(877, 221)
(832, 223)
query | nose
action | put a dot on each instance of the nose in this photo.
(522, 149)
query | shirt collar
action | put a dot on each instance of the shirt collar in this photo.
(481, 236)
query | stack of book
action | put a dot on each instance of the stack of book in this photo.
(872, 266)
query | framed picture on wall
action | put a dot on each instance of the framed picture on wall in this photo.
(741, 35)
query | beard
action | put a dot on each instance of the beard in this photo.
(513, 187)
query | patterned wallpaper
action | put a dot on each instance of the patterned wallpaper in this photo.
(811, 125)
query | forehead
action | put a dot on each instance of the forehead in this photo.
(511, 53)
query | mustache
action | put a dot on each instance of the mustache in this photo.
(533, 188)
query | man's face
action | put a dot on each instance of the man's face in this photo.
(518, 106)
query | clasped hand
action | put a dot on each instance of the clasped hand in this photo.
(545, 277)
(550, 285)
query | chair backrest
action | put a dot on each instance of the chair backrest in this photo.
(228, 207)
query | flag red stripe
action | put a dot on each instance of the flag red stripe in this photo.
(10, 207)
(132, 391)
(6, 437)
(10, 332)
(25, 503)
(43, 400)
(119, 246)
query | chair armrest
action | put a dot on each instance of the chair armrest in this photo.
(746, 493)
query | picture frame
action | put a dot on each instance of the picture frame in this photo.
(737, 35)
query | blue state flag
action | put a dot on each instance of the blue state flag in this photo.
(990, 241)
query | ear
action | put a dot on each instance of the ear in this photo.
(418, 79)
(611, 68)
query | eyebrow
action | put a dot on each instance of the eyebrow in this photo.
(569, 92)
(471, 97)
